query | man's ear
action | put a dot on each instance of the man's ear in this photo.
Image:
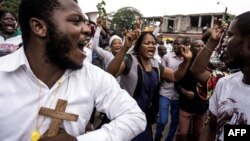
(38, 27)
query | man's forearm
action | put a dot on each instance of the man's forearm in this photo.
(201, 61)
(181, 71)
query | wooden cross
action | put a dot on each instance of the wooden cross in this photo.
(57, 116)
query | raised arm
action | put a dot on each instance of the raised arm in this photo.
(102, 22)
(199, 66)
(106, 55)
(158, 28)
(96, 38)
(201, 61)
(170, 74)
(117, 66)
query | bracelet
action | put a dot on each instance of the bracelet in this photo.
(208, 49)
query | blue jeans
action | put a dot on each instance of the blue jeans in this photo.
(164, 105)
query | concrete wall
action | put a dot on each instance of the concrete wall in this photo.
(182, 24)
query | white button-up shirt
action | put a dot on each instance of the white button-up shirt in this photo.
(22, 94)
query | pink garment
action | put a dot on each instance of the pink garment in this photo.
(8, 48)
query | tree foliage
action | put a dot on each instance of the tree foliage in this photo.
(11, 5)
(124, 18)
(101, 9)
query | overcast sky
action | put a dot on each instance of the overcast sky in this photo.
(170, 7)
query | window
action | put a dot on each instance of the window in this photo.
(194, 21)
(206, 21)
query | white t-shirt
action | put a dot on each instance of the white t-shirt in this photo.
(21, 92)
(230, 101)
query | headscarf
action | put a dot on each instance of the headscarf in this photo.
(113, 38)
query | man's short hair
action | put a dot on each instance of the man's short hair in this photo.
(185, 40)
(41, 9)
(243, 23)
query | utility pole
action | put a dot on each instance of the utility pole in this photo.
(225, 12)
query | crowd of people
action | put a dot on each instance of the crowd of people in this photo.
(135, 79)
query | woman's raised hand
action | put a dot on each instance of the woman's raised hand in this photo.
(186, 53)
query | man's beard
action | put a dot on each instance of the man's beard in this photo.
(177, 52)
(57, 49)
(235, 63)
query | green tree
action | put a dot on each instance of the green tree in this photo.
(124, 18)
(11, 5)
(101, 9)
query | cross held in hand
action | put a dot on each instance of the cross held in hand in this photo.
(57, 115)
